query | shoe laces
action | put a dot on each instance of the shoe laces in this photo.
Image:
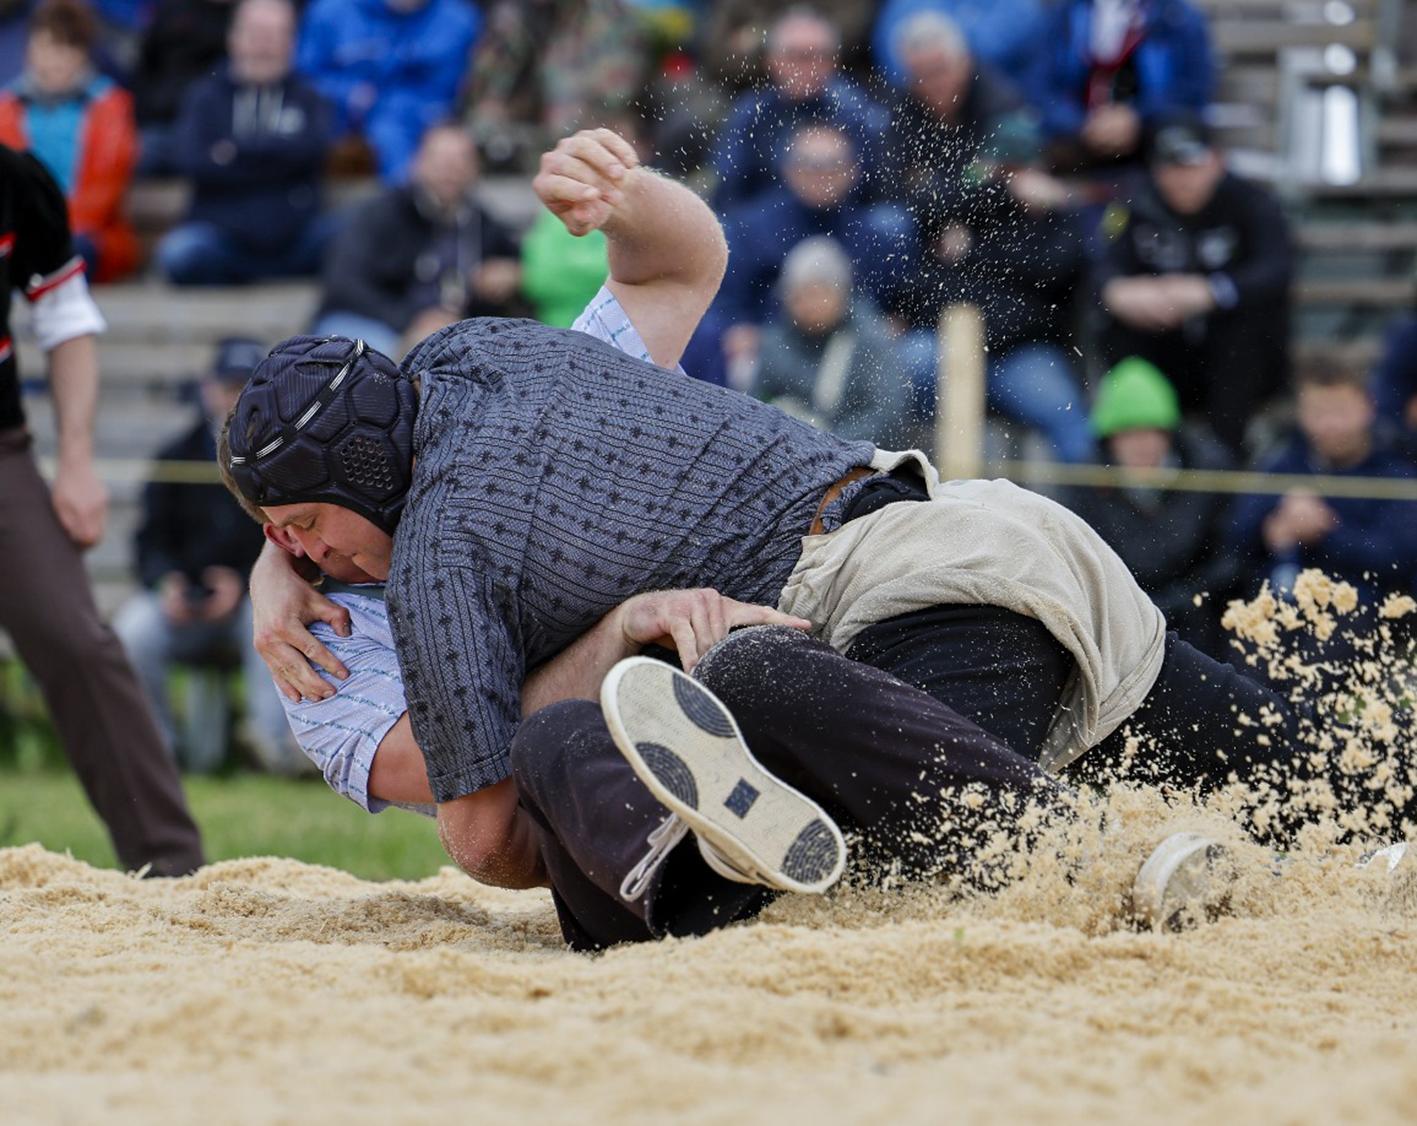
(661, 841)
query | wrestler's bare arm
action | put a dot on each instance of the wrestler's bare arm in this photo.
(667, 250)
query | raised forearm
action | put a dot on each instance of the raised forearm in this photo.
(663, 232)
(73, 379)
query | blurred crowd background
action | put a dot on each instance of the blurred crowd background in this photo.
(1189, 230)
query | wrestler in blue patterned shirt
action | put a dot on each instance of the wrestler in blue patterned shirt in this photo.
(554, 478)
(342, 733)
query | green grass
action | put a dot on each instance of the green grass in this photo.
(240, 815)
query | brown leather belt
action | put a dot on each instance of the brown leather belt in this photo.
(834, 491)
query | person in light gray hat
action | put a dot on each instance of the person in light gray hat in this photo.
(828, 358)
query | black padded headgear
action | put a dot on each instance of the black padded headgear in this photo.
(325, 418)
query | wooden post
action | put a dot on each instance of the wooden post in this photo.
(959, 402)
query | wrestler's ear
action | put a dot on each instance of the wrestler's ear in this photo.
(283, 539)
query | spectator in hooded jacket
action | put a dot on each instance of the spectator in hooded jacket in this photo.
(184, 42)
(421, 256)
(80, 127)
(390, 68)
(1106, 70)
(1196, 279)
(195, 547)
(1172, 541)
(1370, 542)
(252, 140)
(828, 358)
(805, 87)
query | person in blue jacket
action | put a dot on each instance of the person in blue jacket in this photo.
(1370, 542)
(818, 195)
(803, 50)
(1003, 34)
(1108, 69)
(252, 139)
(390, 68)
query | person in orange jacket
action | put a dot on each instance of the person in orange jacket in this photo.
(80, 126)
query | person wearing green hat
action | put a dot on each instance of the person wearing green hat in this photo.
(1171, 540)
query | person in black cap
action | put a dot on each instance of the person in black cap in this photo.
(194, 549)
(1195, 279)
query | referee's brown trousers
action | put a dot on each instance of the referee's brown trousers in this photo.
(103, 718)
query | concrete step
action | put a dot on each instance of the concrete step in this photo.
(156, 206)
(1337, 236)
(153, 312)
(1391, 293)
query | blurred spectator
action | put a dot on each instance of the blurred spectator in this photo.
(195, 547)
(1371, 543)
(390, 68)
(1196, 279)
(1171, 540)
(829, 358)
(819, 176)
(1107, 69)
(1395, 382)
(421, 256)
(14, 30)
(803, 52)
(185, 41)
(548, 64)
(561, 273)
(80, 126)
(120, 31)
(735, 33)
(994, 231)
(252, 140)
(1002, 34)
(952, 107)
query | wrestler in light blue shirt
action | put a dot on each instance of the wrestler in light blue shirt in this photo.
(340, 734)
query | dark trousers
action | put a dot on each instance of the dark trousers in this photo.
(94, 699)
(1225, 373)
(886, 757)
(1204, 724)
(1189, 729)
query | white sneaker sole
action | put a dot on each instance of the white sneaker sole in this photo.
(685, 746)
(1183, 871)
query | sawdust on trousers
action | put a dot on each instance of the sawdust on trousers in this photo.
(266, 990)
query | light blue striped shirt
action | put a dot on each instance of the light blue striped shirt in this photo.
(341, 734)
